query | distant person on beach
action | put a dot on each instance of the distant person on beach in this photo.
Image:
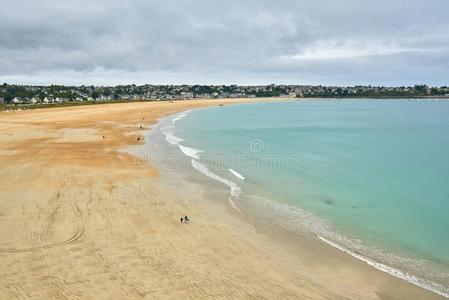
(186, 219)
(182, 220)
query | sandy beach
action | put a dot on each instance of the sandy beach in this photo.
(81, 219)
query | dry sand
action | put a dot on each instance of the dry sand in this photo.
(81, 220)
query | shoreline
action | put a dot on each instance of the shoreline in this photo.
(381, 267)
(59, 177)
(20, 107)
(391, 271)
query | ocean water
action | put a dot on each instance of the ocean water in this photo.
(369, 177)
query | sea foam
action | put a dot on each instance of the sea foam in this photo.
(236, 174)
(425, 284)
(191, 152)
(169, 130)
(170, 137)
(177, 118)
(194, 154)
(235, 189)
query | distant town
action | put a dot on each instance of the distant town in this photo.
(26, 94)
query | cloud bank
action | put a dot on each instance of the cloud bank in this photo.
(346, 42)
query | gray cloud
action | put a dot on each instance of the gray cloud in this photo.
(189, 41)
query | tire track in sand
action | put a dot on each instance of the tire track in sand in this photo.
(51, 220)
(78, 234)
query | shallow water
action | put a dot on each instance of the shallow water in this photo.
(369, 176)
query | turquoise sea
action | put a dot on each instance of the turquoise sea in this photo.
(370, 177)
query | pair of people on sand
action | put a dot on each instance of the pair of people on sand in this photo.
(185, 219)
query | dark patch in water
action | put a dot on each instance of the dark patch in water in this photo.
(327, 200)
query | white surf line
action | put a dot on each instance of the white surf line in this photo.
(172, 139)
(237, 174)
(168, 131)
(425, 284)
(179, 117)
(235, 189)
(190, 152)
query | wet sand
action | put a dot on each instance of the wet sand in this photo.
(80, 219)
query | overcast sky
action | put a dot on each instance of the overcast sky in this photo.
(342, 42)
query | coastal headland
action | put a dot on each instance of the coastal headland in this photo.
(81, 219)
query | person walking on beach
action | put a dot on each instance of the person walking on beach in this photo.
(185, 220)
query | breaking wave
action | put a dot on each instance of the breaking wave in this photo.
(235, 188)
(190, 152)
(237, 174)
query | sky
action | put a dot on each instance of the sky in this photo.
(328, 42)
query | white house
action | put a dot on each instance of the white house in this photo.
(33, 100)
(17, 100)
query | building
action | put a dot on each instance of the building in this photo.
(17, 100)
(187, 95)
